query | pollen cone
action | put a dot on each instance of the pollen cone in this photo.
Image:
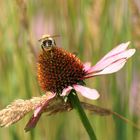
(58, 69)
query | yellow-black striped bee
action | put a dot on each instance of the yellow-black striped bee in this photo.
(47, 42)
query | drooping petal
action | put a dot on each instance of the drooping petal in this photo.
(37, 114)
(87, 66)
(32, 122)
(37, 111)
(66, 91)
(87, 92)
(40, 108)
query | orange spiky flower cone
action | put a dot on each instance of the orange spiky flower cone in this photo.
(58, 69)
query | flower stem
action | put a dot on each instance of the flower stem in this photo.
(76, 105)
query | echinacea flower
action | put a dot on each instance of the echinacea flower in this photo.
(60, 72)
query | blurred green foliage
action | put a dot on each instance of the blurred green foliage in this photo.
(89, 27)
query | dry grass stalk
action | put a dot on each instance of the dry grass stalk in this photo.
(19, 108)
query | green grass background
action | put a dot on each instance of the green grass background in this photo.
(89, 27)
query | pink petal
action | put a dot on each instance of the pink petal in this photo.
(37, 111)
(66, 91)
(32, 122)
(40, 108)
(37, 114)
(87, 92)
(87, 66)
(108, 61)
(114, 67)
(120, 48)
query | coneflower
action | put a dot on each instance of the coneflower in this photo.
(60, 72)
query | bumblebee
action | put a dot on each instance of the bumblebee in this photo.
(47, 42)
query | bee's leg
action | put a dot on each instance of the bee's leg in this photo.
(43, 49)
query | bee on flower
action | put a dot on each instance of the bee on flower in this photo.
(60, 72)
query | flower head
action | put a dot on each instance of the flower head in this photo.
(60, 71)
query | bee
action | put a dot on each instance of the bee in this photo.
(47, 42)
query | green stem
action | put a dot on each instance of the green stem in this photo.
(77, 105)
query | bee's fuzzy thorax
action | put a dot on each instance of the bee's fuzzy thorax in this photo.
(58, 69)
